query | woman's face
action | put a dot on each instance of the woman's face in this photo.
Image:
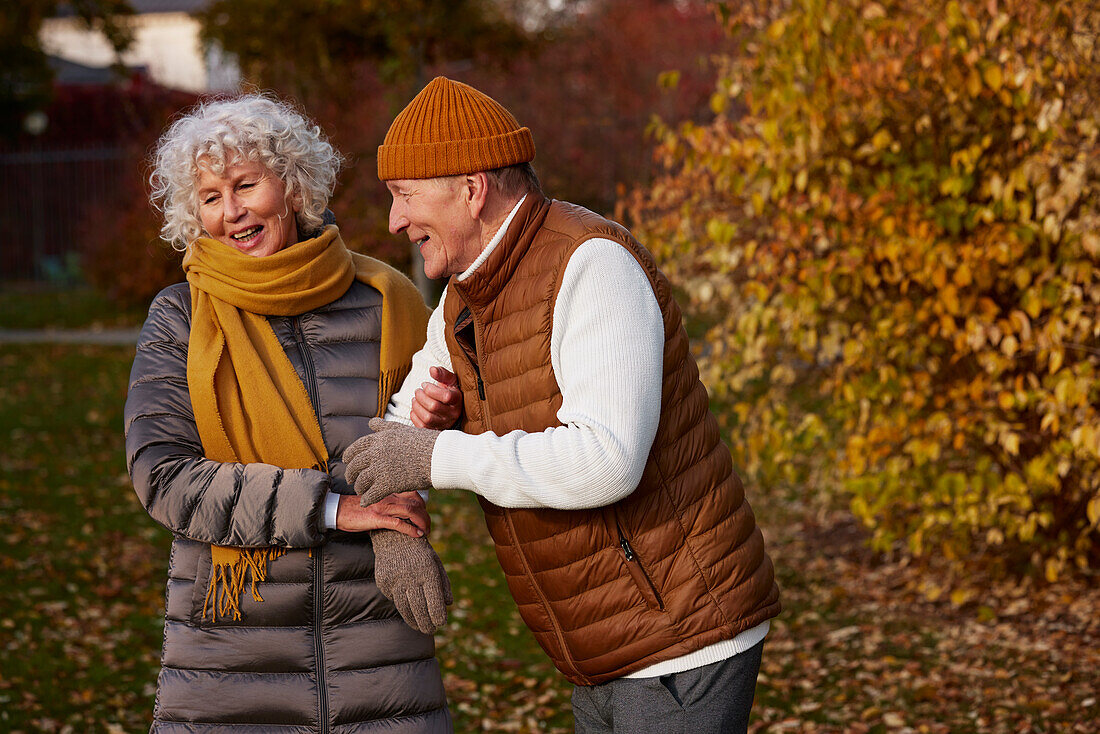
(247, 208)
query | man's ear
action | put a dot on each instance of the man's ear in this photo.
(475, 190)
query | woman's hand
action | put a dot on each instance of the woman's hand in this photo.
(437, 405)
(404, 512)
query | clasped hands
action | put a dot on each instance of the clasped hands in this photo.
(397, 458)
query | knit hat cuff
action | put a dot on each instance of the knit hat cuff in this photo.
(455, 157)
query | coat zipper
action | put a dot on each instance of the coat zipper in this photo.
(318, 640)
(317, 553)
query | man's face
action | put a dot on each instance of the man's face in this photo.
(435, 213)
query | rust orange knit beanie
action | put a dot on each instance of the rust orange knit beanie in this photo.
(450, 129)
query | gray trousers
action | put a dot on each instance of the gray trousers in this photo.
(713, 699)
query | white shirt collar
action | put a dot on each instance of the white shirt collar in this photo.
(492, 243)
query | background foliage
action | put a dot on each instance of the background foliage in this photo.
(25, 73)
(587, 83)
(882, 219)
(890, 228)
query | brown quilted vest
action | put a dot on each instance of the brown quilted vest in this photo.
(677, 565)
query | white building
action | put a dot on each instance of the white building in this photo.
(166, 44)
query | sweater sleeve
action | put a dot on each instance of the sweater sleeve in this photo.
(227, 504)
(606, 348)
(433, 353)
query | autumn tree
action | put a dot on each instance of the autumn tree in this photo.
(593, 82)
(25, 74)
(308, 49)
(890, 229)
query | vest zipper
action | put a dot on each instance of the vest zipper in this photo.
(477, 350)
(638, 573)
(317, 553)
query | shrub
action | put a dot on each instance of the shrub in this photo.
(890, 230)
(122, 253)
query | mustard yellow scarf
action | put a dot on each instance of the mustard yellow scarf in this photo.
(250, 405)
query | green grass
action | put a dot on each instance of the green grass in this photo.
(82, 568)
(40, 307)
(81, 564)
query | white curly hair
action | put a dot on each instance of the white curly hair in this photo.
(226, 131)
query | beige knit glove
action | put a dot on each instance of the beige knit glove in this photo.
(409, 572)
(395, 458)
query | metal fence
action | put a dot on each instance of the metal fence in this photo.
(44, 197)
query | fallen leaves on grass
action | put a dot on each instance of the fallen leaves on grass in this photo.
(861, 647)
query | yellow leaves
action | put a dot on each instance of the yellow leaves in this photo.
(719, 102)
(721, 231)
(955, 275)
(1020, 322)
(668, 79)
(922, 451)
(853, 349)
(881, 140)
(801, 179)
(776, 30)
(1071, 391)
(963, 595)
(1086, 439)
(782, 374)
(1092, 511)
(939, 277)
(1032, 303)
(1054, 361)
(974, 82)
(949, 298)
(992, 77)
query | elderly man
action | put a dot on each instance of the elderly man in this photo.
(622, 529)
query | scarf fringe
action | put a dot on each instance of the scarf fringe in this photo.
(227, 580)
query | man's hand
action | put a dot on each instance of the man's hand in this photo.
(395, 458)
(437, 404)
(409, 572)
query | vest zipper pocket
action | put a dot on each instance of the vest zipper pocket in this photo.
(638, 573)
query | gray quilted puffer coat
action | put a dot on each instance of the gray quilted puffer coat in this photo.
(325, 651)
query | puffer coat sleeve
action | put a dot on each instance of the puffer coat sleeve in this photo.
(222, 503)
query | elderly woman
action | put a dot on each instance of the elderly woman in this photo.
(250, 380)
